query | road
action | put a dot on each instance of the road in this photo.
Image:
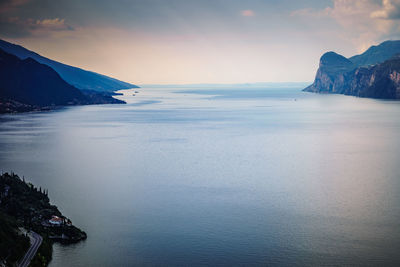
(36, 241)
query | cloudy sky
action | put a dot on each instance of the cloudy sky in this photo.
(198, 41)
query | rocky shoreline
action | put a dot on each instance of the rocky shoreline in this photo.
(29, 207)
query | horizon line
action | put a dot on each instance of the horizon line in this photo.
(222, 84)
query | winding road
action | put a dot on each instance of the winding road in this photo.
(36, 241)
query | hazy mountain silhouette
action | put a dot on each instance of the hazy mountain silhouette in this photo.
(81, 79)
(26, 84)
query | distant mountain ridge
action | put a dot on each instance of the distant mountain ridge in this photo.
(30, 82)
(27, 85)
(377, 54)
(79, 78)
(374, 73)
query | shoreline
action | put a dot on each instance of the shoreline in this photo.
(29, 207)
(14, 107)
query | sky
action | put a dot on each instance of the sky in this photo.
(198, 41)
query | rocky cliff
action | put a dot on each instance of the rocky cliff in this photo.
(374, 73)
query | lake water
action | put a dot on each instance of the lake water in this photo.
(218, 176)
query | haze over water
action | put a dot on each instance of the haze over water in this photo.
(218, 176)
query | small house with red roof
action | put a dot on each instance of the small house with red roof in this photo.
(55, 220)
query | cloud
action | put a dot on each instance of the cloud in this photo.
(9, 5)
(20, 18)
(363, 22)
(309, 12)
(247, 13)
(55, 24)
(342, 10)
(390, 10)
(16, 27)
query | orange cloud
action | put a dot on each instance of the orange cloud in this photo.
(248, 13)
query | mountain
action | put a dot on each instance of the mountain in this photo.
(379, 81)
(30, 82)
(374, 73)
(377, 54)
(77, 77)
(334, 64)
(26, 84)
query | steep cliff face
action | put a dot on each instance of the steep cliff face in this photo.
(374, 73)
(379, 81)
(332, 74)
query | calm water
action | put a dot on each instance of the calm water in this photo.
(256, 176)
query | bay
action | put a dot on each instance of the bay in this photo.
(218, 176)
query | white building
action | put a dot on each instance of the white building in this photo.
(55, 220)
